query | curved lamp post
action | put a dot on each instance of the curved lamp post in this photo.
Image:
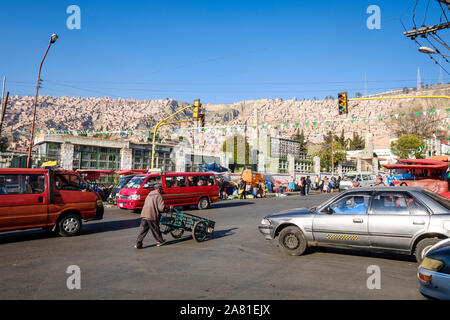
(53, 39)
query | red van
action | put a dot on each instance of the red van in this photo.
(56, 200)
(179, 189)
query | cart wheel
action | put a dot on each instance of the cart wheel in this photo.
(165, 229)
(199, 231)
(177, 233)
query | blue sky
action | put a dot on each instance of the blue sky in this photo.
(218, 51)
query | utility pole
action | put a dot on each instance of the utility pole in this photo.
(3, 90)
(3, 112)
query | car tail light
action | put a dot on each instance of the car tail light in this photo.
(99, 203)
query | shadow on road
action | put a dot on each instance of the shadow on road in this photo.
(230, 204)
(216, 235)
(360, 253)
(87, 228)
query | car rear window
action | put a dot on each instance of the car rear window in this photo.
(438, 198)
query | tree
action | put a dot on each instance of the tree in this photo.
(300, 137)
(408, 146)
(3, 144)
(325, 151)
(356, 143)
(341, 139)
(414, 122)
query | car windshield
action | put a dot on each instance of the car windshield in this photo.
(438, 198)
(135, 183)
(123, 181)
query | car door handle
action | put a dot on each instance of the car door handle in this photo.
(418, 222)
(358, 220)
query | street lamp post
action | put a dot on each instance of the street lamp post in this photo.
(429, 50)
(53, 39)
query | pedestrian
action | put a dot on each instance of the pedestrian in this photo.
(303, 186)
(291, 186)
(325, 185)
(338, 183)
(221, 187)
(242, 192)
(150, 215)
(317, 183)
(308, 184)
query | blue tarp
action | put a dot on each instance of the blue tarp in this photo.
(212, 167)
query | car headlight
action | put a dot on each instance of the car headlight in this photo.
(135, 197)
(265, 222)
(432, 264)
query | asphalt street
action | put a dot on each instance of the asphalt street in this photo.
(236, 263)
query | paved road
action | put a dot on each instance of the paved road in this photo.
(237, 263)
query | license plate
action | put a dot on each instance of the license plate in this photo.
(121, 205)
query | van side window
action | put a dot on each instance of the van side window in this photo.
(22, 184)
(192, 181)
(210, 181)
(69, 182)
(152, 181)
(175, 182)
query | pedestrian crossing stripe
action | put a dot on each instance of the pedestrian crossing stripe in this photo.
(342, 237)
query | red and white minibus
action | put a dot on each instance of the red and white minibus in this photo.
(179, 189)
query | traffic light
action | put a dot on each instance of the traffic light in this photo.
(343, 102)
(201, 120)
(197, 109)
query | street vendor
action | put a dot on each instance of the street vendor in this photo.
(150, 215)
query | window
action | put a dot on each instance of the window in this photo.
(355, 204)
(136, 182)
(175, 182)
(22, 184)
(69, 182)
(438, 198)
(397, 203)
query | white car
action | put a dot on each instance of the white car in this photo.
(351, 180)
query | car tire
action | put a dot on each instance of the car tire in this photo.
(292, 241)
(69, 225)
(422, 248)
(203, 203)
(403, 184)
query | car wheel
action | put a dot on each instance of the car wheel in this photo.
(292, 241)
(403, 184)
(69, 225)
(203, 203)
(422, 248)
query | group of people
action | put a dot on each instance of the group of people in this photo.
(303, 185)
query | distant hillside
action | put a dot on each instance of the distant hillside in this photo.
(102, 114)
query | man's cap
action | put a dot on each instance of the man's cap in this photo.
(158, 186)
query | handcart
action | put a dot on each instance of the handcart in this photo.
(176, 222)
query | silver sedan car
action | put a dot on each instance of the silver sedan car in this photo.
(383, 219)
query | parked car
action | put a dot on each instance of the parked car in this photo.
(56, 200)
(404, 220)
(179, 189)
(434, 271)
(355, 179)
(112, 198)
